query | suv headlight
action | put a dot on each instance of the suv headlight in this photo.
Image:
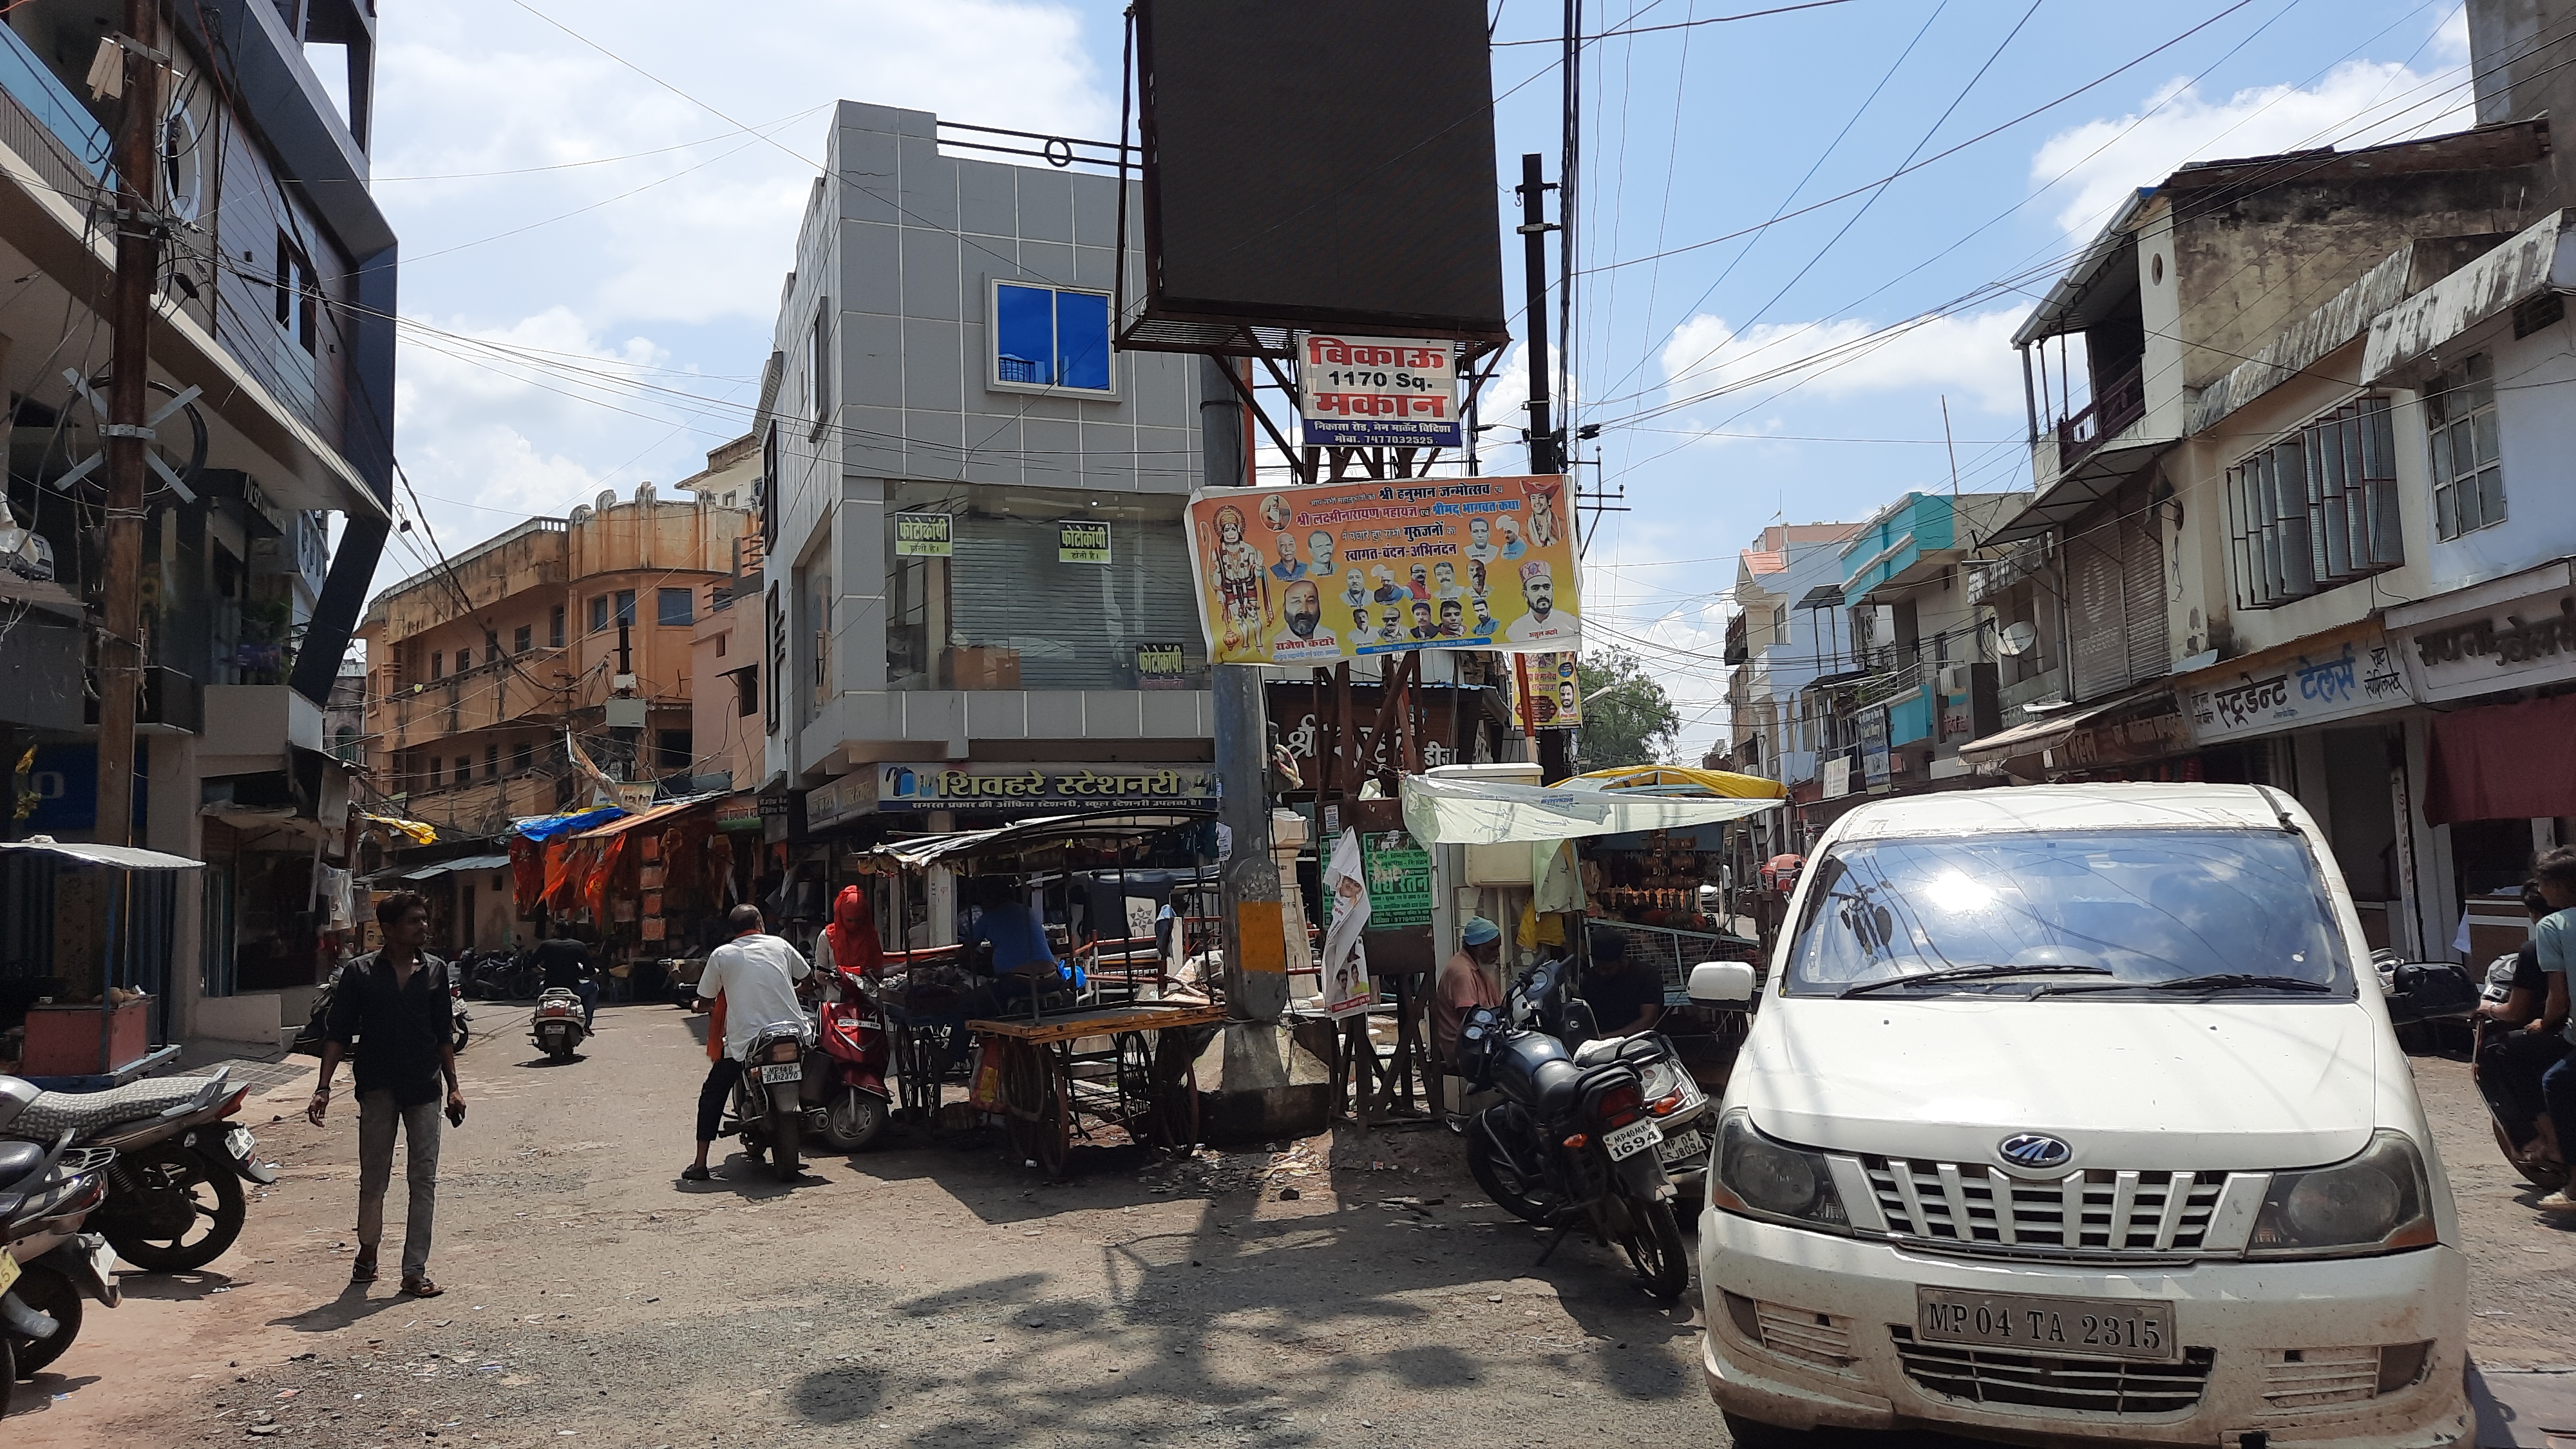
(1759, 1178)
(2378, 1202)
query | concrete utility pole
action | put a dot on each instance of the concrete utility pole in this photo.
(138, 267)
(1546, 447)
(1256, 957)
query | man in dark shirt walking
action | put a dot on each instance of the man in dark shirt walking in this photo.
(391, 1007)
(565, 961)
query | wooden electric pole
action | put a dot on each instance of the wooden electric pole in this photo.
(138, 267)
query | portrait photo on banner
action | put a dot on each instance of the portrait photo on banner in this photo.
(1323, 573)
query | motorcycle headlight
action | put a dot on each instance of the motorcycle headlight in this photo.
(1757, 1177)
(2379, 1202)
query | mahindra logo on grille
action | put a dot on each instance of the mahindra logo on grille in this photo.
(2034, 1149)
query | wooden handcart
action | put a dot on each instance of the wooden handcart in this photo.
(1144, 1082)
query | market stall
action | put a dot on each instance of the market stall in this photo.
(1055, 1060)
(99, 919)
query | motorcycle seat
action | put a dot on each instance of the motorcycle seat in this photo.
(1557, 1084)
(17, 1160)
(85, 1114)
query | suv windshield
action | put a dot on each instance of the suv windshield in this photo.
(2071, 915)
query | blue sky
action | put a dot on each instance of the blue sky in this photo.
(598, 204)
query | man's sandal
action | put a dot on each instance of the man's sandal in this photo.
(420, 1288)
(362, 1269)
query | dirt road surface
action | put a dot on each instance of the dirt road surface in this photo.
(935, 1295)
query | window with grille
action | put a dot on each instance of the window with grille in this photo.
(2468, 469)
(555, 627)
(598, 612)
(2317, 509)
(523, 638)
(675, 606)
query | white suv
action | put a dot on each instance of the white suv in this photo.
(2073, 1118)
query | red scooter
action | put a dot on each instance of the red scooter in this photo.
(855, 1101)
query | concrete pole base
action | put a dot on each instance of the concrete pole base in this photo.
(1257, 1085)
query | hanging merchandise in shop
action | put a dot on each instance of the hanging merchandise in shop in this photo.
(1315, 575)
(2510, 633)
(2333, 676)
(1036, 789)
(1397, 392)
(1550, 690)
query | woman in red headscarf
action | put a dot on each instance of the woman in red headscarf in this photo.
(850, 942)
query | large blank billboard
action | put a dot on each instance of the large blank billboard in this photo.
(1321, 163)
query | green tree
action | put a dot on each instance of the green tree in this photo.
(1627, 717)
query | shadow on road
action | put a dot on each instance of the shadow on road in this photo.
(352, 1307)
(171, 1287)
(37, 1394)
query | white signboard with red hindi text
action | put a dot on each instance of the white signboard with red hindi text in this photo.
(1388, 392)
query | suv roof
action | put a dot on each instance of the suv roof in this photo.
(2068, 807)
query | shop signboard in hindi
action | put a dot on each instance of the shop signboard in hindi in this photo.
(1316, 575)
(837, 800)
(1550, 689)
(925, 535)
(1387, 392)
(1399, 881)
(1081, 541)
(1162, 666)
(1017, 788)
(2337, 675)
(1875, 754)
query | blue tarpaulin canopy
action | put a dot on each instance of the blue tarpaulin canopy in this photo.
(547, 827)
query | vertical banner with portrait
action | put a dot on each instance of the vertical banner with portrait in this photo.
(1347, 989)
(1314, 575)
(1550, 690)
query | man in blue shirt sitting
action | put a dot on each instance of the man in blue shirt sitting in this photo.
(1022, 962)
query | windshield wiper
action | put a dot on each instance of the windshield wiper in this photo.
(1972, 973)
(2219, 981)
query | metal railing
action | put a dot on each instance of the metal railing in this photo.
(2118, 404)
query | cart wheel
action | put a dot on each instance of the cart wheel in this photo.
(1136, 1096)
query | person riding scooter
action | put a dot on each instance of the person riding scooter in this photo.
(566, 966)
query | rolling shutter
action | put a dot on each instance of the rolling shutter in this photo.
(1076, 626)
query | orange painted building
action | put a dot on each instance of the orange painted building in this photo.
(476, 672)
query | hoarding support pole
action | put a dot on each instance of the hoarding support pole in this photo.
(1256, 956)
(1543, 453)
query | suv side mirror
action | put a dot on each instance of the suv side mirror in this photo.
(1721, 983)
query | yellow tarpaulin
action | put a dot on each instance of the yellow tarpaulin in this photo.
(1677, 779)
(417, 832)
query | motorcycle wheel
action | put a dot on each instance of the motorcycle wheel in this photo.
(1656, 1248)
(53, 1295)
(853, 1120)
(1504, 1182)
(2538, 1174)
(462, 1032)
(195, 1179)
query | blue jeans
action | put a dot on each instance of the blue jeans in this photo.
(2558, 1094)
(588, 991)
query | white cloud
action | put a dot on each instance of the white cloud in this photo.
(1968, 356)
(2358, 103)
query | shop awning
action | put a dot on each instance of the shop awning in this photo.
(1684, 780)
(466, 863)
(418, 832)
(658, 815)
(547, 827)
(124, 857)
(2050, 731)
(1477, 812)
(2502, 762)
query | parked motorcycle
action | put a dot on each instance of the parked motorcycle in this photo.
(47, 1264)
(770, 1099)
(852, 1065)
(463, 1025)
(1543, 1001)
(556, 1026)
(1575, 1143)
(176, 1200)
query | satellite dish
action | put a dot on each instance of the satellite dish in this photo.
(2016, 640)
(607, 499)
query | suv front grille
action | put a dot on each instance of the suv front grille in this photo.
(2091, 1210)
(2084, 1385)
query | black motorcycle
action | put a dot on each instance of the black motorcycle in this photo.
(175, 1199)
(47, 1264)
(1575, 1142)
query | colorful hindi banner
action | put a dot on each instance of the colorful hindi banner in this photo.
(1312, 575)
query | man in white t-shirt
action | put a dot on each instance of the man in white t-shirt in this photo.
(756, 974)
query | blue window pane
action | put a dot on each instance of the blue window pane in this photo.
(1082, 340)
(1023, 332)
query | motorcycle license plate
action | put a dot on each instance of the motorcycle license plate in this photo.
(1687, 1146)
(1626, 1142)
(783, 1072)
(238, 1142)
(2124, 1328)
(8, 1270)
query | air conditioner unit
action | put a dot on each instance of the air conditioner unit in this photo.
(1955, 679)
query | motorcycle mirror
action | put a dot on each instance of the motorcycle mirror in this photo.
(1721, 983)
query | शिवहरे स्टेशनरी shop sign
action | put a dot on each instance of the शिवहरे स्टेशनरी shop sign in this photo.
(1035, 789)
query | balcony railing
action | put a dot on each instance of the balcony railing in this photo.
(2115, 406)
